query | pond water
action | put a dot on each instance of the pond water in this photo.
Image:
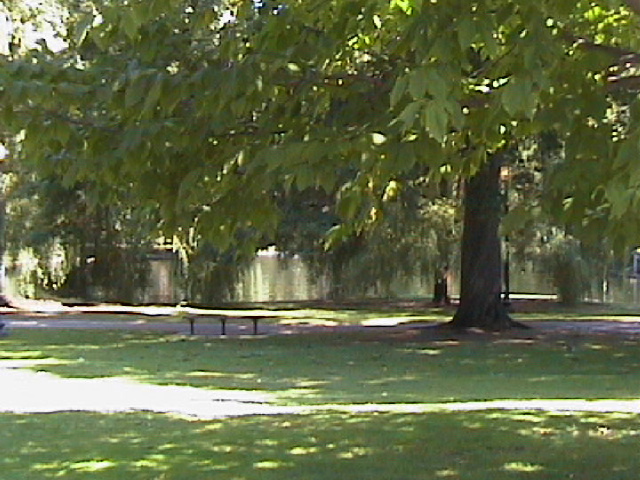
(272, 277)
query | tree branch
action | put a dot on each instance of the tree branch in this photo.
(623, 56)
(65, 118)
(634, 6)
(630, 83)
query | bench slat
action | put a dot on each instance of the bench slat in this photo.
(223, 322)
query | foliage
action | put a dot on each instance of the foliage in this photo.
(211, 276)
(80, 250)
(568, 254)
(97, 252)
(193, 106)
(216, 98)
(413, 235)
(406, 243)
(562, 258)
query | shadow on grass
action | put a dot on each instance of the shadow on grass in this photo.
(478, 446)
(354, 368)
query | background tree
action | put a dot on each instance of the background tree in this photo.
(80, 250)
(412, 238)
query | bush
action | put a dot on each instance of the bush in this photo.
(562, 257)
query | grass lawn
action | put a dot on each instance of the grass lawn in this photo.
(324, 369)
(351, 368)
(473, 446)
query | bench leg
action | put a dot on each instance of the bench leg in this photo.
(255, 326)
(192, 322)
(223, 324)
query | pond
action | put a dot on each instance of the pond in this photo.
(275, 278)
(272, 277)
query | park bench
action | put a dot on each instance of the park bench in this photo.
(223, 319)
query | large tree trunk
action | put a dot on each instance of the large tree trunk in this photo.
(481, 263)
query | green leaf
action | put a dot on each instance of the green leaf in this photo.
(305, 177)
(62, 132)
(399, 90)
(135, 92)
(154, 95)
(618, 193)
(130, 23)
(349, 202)
(189, 185)
(418, 84)
(517, 96)
(436, 84)
(402, 156)
(518, 218)
(466, 32)
(337, 235)
(82, 27)
(140, 13)
(409, 114)
(99, 37)
(404, 5)
(627, 154)
(491, 47)
(435, 119)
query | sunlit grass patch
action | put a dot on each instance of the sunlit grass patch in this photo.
(520, 467)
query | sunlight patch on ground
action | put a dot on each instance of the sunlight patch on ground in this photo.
(27, 391)
(520, 467)
(92, 465)
(309, 321)
(386, 322)
(210, 374)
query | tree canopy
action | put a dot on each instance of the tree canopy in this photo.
(191, 102)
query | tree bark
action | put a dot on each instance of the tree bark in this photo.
(481, 258)
(634, 6)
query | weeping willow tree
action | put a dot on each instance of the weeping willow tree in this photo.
(412, 238)
(64, 244)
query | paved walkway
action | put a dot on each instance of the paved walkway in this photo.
(234, 327)
(51, 314)
(201, 327)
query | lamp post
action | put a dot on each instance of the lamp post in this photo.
(505, 178)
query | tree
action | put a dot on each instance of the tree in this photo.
(202, 107)
(92, 252)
